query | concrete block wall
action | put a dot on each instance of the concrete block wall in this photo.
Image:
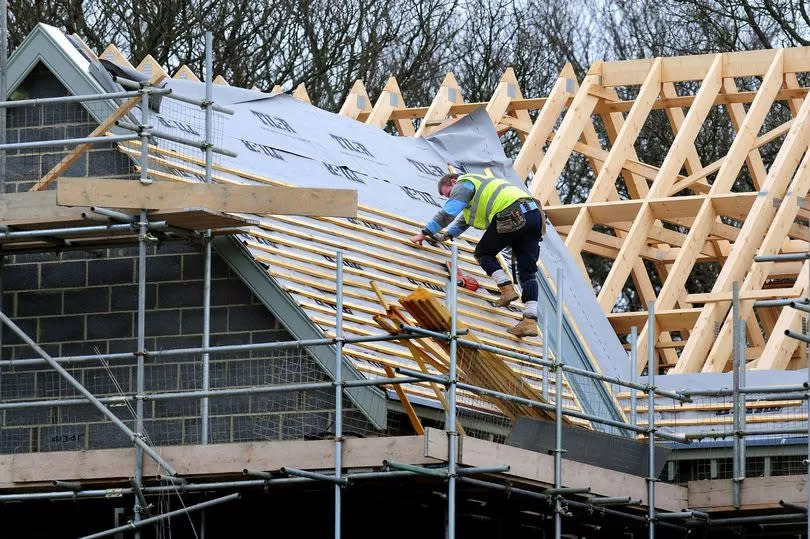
(79, 303)
(52, 122)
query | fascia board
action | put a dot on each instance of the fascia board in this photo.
(50, 46)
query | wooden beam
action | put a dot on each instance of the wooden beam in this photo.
(544, 183)
(736, 111)
(682, 68)
(31, 207)
(449, 94)
(671, 320)
(757, 493)
(752, 233)
(531, 152)
(666, 177)
(795, 93)
(623, 145)
(539, 467)
(214, 460)
(81, 149)
(770, 293)
(228, 198)
(357, 101)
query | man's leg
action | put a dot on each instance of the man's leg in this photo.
(526, 249)
(488, 247)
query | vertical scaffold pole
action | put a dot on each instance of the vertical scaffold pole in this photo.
(209, 100)
(452, 434)
(807, 332)
(558, 396)
(3, 87)
(206, 369)
(139, 369)
(3, 97)
(633, 363)
(545, 353)
(743, 419)
(338, 387)
(651, 367)
(735, 393)
(141, 353)
(206, 340)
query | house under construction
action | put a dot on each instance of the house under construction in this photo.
(211, 311)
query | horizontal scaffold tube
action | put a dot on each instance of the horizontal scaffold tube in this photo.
(67, 142)
(157, 518)
(572, 370)
(120, 399)
(550, 407)
(77, 98)
(213, 349)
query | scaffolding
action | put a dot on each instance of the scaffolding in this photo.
(557, 499)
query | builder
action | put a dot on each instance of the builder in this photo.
(510, 218)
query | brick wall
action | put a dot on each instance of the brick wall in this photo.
(81, 303)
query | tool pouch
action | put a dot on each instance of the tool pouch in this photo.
(510, 219)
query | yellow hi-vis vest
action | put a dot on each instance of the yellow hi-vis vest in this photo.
(492, 195)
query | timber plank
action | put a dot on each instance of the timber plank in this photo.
(228, 198)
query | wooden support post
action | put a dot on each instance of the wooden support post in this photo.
(357, 101)
(81, 149)
(531, 152)
(544, 183)
(390, 98)
(753, 230)
(448, 95)
(605, 181)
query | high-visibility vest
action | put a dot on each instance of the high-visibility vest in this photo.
(492, 195)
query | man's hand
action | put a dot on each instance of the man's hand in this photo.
(418, 238)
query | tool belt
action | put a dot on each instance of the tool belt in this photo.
(511, 218)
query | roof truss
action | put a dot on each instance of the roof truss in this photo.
(656, 222)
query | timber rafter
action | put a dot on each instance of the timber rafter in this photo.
(656, 222)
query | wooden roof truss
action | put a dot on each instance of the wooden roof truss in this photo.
(669, 216)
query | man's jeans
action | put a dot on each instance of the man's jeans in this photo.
(525, 244)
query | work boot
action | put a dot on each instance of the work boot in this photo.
(508, 295)
(527, 327)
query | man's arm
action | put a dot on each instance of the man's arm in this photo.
(459, 197)
(458, 227)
